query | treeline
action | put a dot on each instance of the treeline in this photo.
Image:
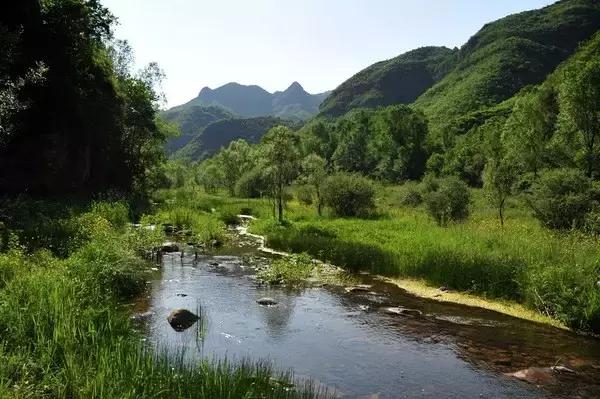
(74, 118)
(542, 143)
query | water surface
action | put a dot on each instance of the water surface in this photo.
(348, 343)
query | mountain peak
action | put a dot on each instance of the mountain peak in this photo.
(295, 88)
(205, 90)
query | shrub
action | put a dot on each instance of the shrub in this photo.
(349, 194)
(592, 221)
(292, 271)
(117, 213)
(449, 202)
(412, 195)
(251, 184)
(561, 198)
(305, 195)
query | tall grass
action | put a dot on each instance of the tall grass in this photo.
(557, 274)
(64, 333)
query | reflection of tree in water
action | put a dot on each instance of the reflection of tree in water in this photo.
(278, 317)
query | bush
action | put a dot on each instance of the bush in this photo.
(117, 213)
(349, 194)
(305, 195)
(252, 184)
(412, 195)
(449, 201)
(561, 198)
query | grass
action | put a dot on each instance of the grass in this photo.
(65, 334)
(291, 271)
(552, 273)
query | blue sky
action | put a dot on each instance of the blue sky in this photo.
(319, 43)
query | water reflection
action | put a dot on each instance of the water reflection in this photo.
(346, 341)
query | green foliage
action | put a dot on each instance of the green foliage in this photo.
(561, 198)
(282, 162)
(314, 173)
(222, 133)
(505, 56)
(412, 195)
(305, 195)
(349, 194)
(66, 335)
(291, 271)
(580, 104)
(397, 81)
(449, 202)
(93, 121)
(252, 184)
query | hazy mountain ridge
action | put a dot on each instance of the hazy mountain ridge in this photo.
(253, 101)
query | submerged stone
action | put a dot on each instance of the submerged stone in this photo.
(267, 301)
(182, 319)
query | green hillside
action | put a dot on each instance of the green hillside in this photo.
(191, 120)
(507, 55)
(221, 133)
(399, 80)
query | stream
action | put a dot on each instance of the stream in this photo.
(348, 343)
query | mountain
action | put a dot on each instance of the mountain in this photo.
(400, 80)
(497, 62)
(220, 134)
(191, 120)
(507, 55)
(254, 101)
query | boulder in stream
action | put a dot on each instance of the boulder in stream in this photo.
(182, 319)
(169, 247)
(267, 301)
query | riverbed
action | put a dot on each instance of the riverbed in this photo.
(349, 342)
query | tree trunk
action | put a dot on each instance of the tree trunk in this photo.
(501, 213)
(280, 202)
(319, 203)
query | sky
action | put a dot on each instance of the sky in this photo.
(272, 43)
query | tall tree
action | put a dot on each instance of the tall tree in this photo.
(580, 102)
(314, 172)
(283, 162)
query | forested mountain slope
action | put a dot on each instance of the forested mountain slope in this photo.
(399, 80)
(191, 120)
(505, 56)
(220, 134)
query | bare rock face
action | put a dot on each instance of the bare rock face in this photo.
(182, 319)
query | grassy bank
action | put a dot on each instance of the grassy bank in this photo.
(552, 273)
(65, 272)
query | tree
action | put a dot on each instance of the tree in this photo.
(234, 161)
(282, 162)
(580, 103)
(448, 200)
(349, 194)
(500, 173)
(499, 177)
(314, 173)
(530, 128)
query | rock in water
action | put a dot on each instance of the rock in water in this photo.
(182, 319)
(535, 375)
(403, 311)
(267, 301)
(169, 247)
